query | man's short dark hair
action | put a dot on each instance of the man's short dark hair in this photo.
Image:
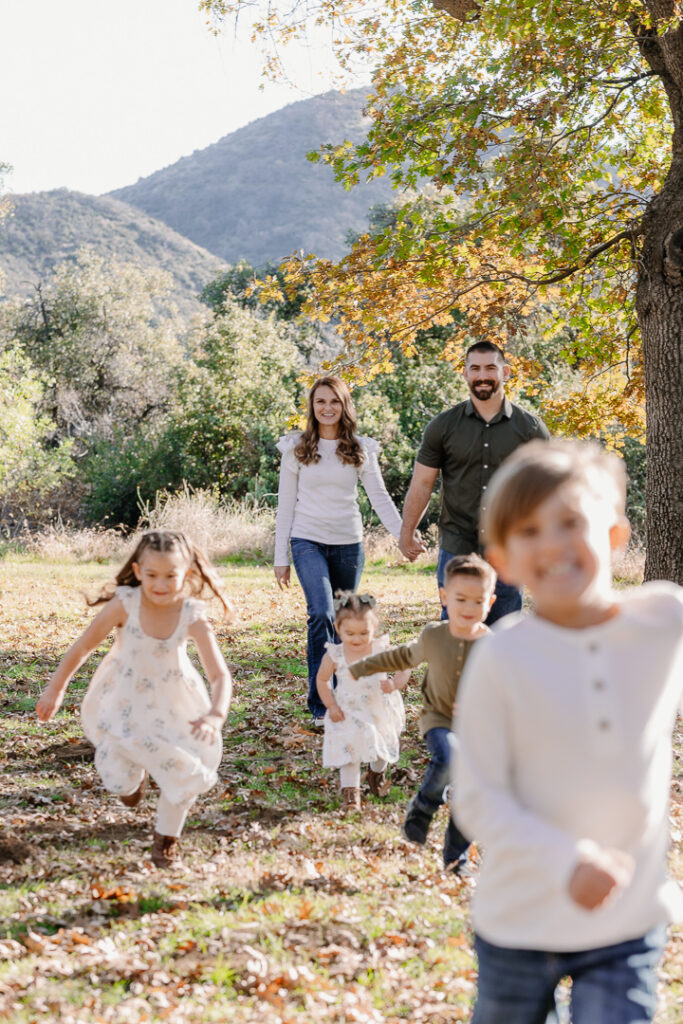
(485, 346)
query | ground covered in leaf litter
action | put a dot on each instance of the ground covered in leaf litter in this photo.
(284, 911)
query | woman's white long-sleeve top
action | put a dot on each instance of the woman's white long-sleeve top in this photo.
(319, 501)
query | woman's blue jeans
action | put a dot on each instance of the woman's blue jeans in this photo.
(610, 985)
(322, 570)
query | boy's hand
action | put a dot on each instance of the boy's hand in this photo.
(49, 703)
(597, 876)
(387, 685)
(208, 727)
(336, 713)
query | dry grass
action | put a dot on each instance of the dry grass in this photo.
(233, 529)
(59, 542)
(222, 529)
(629, 566)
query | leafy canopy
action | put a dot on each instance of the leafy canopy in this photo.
(526, 139)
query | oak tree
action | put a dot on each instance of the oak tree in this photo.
(538, 149)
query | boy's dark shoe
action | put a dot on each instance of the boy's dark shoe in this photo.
(416, 823)
(462, 867)
(133, 799)
(165, 851)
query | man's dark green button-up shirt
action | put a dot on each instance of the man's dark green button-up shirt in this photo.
(468, 451)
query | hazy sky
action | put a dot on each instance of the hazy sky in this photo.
(97, 93)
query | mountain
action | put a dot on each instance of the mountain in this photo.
(254, 195)
(45, 228)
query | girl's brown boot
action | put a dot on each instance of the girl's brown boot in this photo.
(133, 799)
(378, 783)
(165, 851)
(350, 799)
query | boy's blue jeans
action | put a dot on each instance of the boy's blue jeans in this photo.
(322, 570)
(611, 985)
(508, 598)
(440, 742)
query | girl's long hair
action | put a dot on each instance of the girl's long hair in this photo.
(200, 577)
(348, 445)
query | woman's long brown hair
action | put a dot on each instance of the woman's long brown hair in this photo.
(348, 445)
(201, 574)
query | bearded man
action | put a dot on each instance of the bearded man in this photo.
(467, 444)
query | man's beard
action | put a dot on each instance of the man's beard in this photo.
(484, 389)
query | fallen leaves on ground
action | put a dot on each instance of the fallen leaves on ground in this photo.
(284, 912)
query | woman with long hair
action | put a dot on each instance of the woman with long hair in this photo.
(318, 513)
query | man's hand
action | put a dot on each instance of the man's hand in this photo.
(282, 574)
(598, 875)
(411, 545)
(336, 713)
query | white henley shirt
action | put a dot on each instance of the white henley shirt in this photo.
(565, 741)
(320, 501)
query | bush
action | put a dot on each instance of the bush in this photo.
(32, 464)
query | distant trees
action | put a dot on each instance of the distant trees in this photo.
(103, 338)
(32, 463)
(107, 393)
(232, 397)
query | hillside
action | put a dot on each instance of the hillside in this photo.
(254, 195)
(45, 228)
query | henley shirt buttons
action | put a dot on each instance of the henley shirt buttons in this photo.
(599, 684)
(603, 724)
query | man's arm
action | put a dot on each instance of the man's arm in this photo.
(415, 506)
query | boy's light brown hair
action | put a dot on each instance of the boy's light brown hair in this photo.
(470, 565)
(536, 470)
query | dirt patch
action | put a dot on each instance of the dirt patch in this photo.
(74, 750)
(14, 851)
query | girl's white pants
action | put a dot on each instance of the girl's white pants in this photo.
(349, 774)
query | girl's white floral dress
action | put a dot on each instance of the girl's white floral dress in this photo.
(139, 705)
(373, 720)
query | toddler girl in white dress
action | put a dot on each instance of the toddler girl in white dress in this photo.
(364, 716)
(147, 710)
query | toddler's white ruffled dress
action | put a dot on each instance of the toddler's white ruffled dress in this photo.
(373, 720)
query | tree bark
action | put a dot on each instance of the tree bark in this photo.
(659, 304)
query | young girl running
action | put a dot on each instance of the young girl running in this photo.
(146, 709)
(364, 716)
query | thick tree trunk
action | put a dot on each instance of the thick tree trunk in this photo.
(660, 314)
(659, 302)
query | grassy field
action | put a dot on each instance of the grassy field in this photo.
(284, 910)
